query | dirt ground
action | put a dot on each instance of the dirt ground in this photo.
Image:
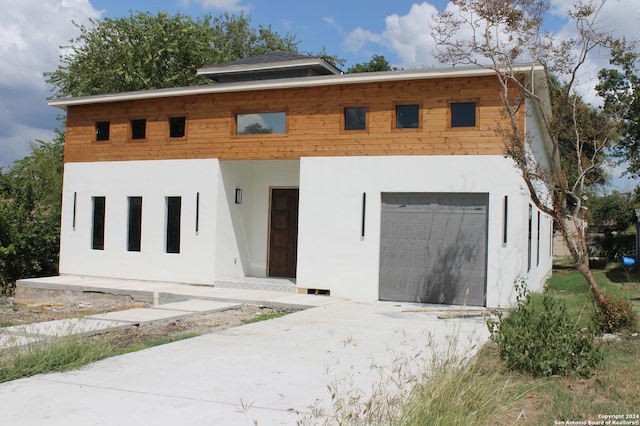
(11, 314)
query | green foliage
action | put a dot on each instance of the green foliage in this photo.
(30, 204)
(615, 315)
(542, 340)
(377, 63)
(618, 87)
(145, 51)
(611, 212)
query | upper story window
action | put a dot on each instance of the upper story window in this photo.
(355, 118)
(407, 116)
(263, 123)
(102, 131)
(138, 129)
(177, 126)
(463, 114)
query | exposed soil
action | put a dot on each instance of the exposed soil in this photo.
(11, 314)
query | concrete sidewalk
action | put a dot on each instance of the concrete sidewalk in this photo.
(22, 335)
(272, 372)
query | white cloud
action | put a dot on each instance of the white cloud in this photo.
(31, 32)
(409, 36)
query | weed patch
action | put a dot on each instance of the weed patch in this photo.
(541, 339)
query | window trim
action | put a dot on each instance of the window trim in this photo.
(450, 114)
(343, 124)
(98, 227)
(96, 124)
(131, 130)
(184, 130)
(285, 133)
(394, 123)
(134, 227)
(173, 235)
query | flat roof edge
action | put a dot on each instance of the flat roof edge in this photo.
(317, 81)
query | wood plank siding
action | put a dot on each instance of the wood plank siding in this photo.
(314, 123)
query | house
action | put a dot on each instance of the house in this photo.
(375, 186)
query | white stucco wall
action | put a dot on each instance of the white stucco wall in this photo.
(331, 253)
(154, 181)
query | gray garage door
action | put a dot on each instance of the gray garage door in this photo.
(433, 248)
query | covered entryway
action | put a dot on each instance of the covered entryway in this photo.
(433, 248)
(283, 232)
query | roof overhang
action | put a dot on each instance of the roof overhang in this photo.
(318, 65)
(318, 81)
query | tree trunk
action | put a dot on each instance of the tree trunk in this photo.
(574, 231)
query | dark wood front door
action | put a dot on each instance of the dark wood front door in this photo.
(283, 233)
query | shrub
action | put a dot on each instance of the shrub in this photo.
(542, 340)
(616, 314)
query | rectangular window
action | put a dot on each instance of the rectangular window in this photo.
(102, 131)
(355, 118)
(75, 205)
(463, 114)
(138, 129)
(505, 216)
(97, 233)
(177, 126)
(174, 205)
(538, 241)
(530, 238)
(135, 224)
(407, 116)
(197, 212)
(265, 123)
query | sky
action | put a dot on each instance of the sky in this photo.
(32, 31)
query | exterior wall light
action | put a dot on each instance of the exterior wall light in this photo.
(238, 196)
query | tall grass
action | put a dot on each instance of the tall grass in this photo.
(57, 354)
(68, 353)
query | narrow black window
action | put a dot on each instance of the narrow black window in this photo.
(174, 205)
(75, 204)
(97, 234)
(138, 129)
(505, 215)
(364, 211)
(530, 237)
(197, 212)
(463, 114)
(177, 127)
(135, 224)
(355, 118)
(102, 131)
(407, 116)
(538, 241)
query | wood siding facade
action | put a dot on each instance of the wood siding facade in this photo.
(314, 123)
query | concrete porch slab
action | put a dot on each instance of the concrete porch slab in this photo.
(197, 306)
(142, 316)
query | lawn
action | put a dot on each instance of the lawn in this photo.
(485, 392)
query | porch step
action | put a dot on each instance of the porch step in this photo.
(284, 285)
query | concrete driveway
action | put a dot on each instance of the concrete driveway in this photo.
(269, 373)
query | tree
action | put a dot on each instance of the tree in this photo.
(619, 88)
(498, 35)
(145, 51)
(30, 204)
(377, 63)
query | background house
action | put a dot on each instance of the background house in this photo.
(390, 186)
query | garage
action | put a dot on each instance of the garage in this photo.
(433, 248)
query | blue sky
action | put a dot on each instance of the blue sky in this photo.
(31, 32)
